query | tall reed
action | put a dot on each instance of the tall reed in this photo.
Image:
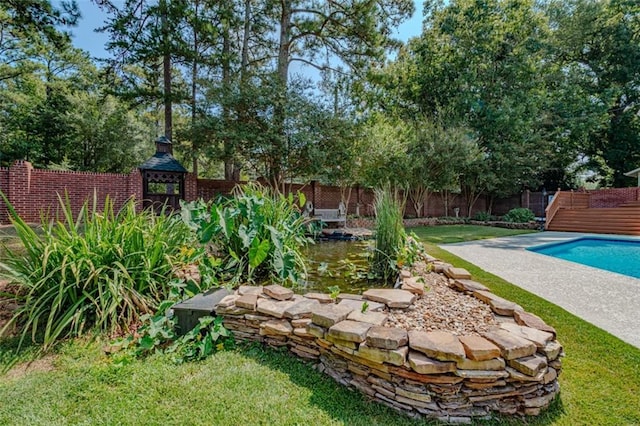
(101, 269)
(390, 235)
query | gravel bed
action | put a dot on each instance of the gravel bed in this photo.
(445, 309)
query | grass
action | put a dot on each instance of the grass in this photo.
(447, 234)
(600, 384)
(248, 386)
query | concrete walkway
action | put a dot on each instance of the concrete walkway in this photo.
(608, 300)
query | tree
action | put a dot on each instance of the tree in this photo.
(597, 44)
(438, 157)
(315, 33)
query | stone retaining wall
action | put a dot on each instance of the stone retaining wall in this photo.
(511, 369)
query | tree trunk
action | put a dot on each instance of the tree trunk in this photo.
(166, 72)
(282, 76)
(226, 83)
(194, 88)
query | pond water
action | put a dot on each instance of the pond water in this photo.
(344, 264)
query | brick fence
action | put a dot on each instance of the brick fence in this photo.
(33, 192)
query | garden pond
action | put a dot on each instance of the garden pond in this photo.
(342, 264)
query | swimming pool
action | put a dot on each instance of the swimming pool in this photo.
(611, 254)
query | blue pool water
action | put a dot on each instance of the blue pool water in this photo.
(615, 255)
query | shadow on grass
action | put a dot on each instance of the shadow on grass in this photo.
(354, 408)
(10, 355)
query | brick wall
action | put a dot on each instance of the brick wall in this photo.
(613, 197)
(34, 192)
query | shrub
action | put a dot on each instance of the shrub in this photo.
(482, 216)
(256, 235)
(520, 215)
(389, 234)
(100, 270)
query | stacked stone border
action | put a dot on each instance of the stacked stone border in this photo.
(511, 369)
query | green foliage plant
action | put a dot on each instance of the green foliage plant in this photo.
(482, 216)
(100, 270)
(390, 236)
(519, 215)
(257, 234)
(157, 335)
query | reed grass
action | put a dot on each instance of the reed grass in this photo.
(100, 269)
(390, 235)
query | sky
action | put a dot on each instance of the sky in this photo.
(84, 36)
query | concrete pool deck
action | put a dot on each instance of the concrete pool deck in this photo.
(608, 300)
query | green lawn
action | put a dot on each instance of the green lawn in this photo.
(251, 386)
(446, 234)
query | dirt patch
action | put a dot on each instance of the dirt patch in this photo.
(7, 306)
(43, 364)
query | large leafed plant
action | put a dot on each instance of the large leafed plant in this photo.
(254, 236)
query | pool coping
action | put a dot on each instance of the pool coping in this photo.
(577, 288)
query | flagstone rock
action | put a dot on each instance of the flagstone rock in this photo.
(316, 330)
(302, 332)
(357, 305)
(417, 396)
(530, 320)
(352, 331)
(490, 364)
(440, 345)
(277, 327)
(247, 301)
(457, 273)
(413, 284)
(515, 375)
(249, 289)
(273, 307)
(482, 374)
(405, 274)
(227, 301)
(375, 318)
(386, 338)
(468, 285)
(301, 322)
(531, 365)
(478, 348)
(511, 346)
(439, 267)
(278, 292)
(301, 309)
(422, 364)
(395, 357)
(327, 315)
(320, 297)
(551, 350)
(342, 343)
(393, 298)
(499, 305)
(550, 375)
(348, 296)
(538, 337)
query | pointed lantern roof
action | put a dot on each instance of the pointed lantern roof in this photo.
(162, 160)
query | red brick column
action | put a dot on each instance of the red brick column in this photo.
(19, 188)
(190, 187)
(134, 187)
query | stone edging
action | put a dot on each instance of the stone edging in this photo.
(512, 369)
